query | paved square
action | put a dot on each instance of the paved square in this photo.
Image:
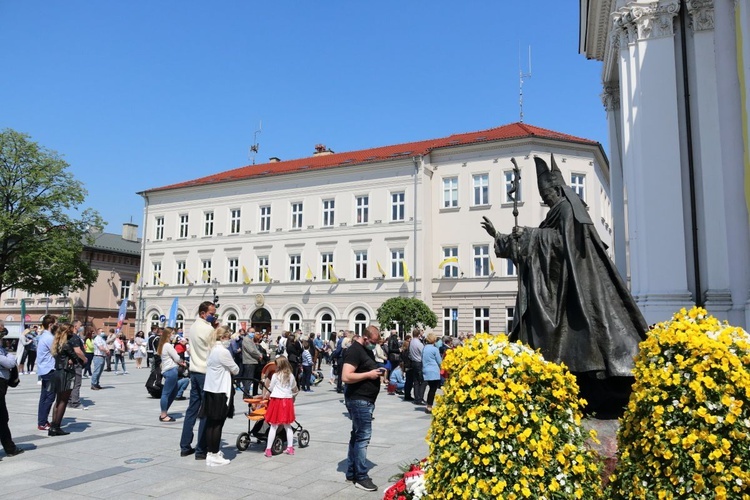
(118, 449)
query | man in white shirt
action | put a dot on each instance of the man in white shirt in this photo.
(199, 337)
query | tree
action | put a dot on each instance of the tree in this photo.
(42, 230)
(408, 312)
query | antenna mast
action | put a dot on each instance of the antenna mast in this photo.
(254, 148)
(521, 76)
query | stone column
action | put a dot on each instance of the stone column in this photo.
(651, 157)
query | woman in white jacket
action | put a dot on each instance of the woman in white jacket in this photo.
(218, 394)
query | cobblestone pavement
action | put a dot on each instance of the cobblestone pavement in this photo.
(118, 448)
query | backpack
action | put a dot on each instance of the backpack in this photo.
(153, 384)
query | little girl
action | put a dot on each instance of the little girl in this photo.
(281, 404)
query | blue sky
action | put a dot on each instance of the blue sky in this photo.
(141, 94)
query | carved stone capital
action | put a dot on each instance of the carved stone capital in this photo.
(611, 97)
(645, 21)
(701, 14)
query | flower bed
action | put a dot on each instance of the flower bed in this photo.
(686, 431)
(508, 426)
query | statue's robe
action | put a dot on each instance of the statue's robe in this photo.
(573, 305)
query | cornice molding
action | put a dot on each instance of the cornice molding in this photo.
(645, 21)
(611, 97)
(701, 14)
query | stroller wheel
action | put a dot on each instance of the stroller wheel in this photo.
(278, 445)
(243, 441)
(303, 439)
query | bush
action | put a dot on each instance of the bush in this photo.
(685, 433)
(508, 426)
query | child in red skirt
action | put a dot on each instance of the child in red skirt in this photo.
(281, 404)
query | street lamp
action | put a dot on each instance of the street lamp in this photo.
(215, 286)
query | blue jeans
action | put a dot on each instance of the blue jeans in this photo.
(46, 399)
(169, 390)
(120, 359)
(361, 414)
(98, 369)
(182, 384)
(197, 380)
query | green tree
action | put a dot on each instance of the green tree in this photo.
(42, 228)
(407, 312)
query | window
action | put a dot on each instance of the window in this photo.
(156, 271)
(328, 208)
(509, 186)
(206, 270)
(12, 293)
(265, 218)
(294, 323)
(326, 324)
(234, 221)
(360, 323)
(450, 192)
(181, 271)
(481, 320)
(481, 260)
(234, 270)
(510, 268)
(450, 269)
(180, 321)
(154, 320)
(208, 224)
(397, 206)
(363, 209)
(125, 289)
(231, 321)
(325, 260)
(262, 266)
(397, 268)
(183, 226)
(481, 189)
(295, 267)
(450, 321)
(297, 215)
(159, 229)
(510, 313)
(578, 185)
(360, 264)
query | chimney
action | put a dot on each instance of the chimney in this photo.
(130, 231)
(274, 159)
(321, 150)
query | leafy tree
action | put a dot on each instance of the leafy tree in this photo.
(407, 312)
(42, 231)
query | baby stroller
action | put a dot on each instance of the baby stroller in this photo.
(257, 426)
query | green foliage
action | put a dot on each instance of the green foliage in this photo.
(407, 312)
(41, 228)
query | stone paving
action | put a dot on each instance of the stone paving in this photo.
(118, 449)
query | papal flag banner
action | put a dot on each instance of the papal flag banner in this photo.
(448, 261)
(380, 269)
(206, 276)
(492, 266)
(186, 274)
(309, 275)
(246, 279)
(266, 276)
(138, 280)
(407, 277)
(331, 275)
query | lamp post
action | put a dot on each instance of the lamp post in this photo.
(215, 285)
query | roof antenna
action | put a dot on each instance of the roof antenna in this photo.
(254, 148)
(521, 76)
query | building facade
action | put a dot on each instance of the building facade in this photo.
(320, 243)
(675, 93)
(117, 258)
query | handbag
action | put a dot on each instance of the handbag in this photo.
(14, 380)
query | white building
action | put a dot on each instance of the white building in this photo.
(675, 91)
(321, 242)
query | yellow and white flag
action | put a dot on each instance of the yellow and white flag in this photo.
(266, 277)
(309, 275)
(406, 271)
(492, 266)
(246, 279)
(206, 276)
(331, 275)
(380, 269)
(448, 261)
(160, 282)
(186, 275)
(138, 280)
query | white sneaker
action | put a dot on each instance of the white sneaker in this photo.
(32, 373)
(38, 382)
(216, 459)
(116, 373)
(125, 372)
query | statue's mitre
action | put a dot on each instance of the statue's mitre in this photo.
(546, 177)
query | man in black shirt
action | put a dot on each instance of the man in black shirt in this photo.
(361, 375)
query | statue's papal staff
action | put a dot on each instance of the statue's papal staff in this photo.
(513, 195)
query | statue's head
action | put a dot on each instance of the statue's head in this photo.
(549, 181)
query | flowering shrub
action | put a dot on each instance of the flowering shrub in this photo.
(508, 426)
(410, 484)
(686, 431)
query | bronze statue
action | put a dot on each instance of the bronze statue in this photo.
(572, 304)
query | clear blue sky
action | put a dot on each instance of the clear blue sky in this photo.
(139, 94)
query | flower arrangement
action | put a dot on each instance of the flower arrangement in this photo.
(508, 426)
(686, 430)
(410, 484)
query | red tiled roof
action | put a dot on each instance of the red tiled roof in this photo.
(511, 131)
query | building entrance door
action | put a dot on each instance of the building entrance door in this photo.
(261, 320)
